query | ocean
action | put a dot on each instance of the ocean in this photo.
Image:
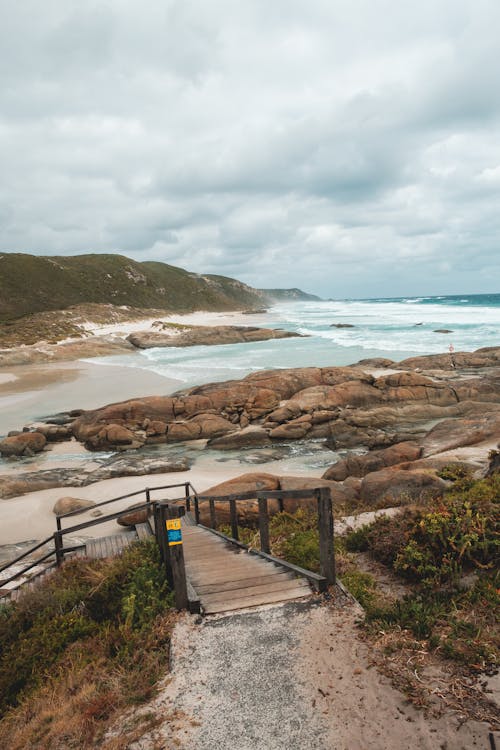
(396, 328)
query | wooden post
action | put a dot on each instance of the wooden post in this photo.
(196, 509)
(164, 548)
(188, 497)
(148, 495)
(156, 519)
(325, 528)
(233, 515)
(176, 555)
(281, 504)
(58, 546)
(213, 516)
(264, 524)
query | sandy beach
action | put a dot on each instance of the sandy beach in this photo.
(28, 392)
(31, 391)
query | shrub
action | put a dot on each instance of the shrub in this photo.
(103, 603)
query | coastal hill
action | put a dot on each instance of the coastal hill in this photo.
(32, 284)
(289, 295)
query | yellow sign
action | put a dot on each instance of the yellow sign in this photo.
(174, 533)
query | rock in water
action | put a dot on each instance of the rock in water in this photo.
(205, 336)
(24, 444)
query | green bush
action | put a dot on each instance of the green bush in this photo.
(114, 601)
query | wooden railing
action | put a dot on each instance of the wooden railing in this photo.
(57, 538)
(172, 555)
(324, 508)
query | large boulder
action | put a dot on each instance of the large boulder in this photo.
(249, 437)
(248, 510)
(359, 466)
(338, 493)
(352, 393)
(410, 386)
(211, 425)
(54, 432)
(135, 516)
(114, 437)
(24, 444)
(71, 504)
(455, 433)
(294, 430)
(393, 486)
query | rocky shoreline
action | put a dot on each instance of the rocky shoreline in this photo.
(409, 420)
(161, 334)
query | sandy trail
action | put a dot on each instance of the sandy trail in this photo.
(289, 677)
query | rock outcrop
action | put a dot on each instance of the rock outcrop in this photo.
(182, 335)
(407, 423)
(359, 466)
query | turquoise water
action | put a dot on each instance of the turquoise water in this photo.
(390, 327)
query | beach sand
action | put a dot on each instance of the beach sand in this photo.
(30, 516)
(29, 392)
(34, 391)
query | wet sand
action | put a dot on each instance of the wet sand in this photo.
(34, 391)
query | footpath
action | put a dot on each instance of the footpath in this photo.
(293, 676)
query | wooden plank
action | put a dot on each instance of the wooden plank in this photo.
(244, 602)
(194, 604)
(212, 588)
(325, 528)
(256, 591)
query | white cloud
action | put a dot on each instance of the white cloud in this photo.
(349, 147)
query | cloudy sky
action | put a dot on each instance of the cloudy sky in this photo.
(348, 147)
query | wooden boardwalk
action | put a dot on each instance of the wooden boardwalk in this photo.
(227, 578)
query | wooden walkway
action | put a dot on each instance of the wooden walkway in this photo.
(228, 578)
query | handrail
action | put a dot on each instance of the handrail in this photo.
(28, 567)
(56, 539)
(102, 519)
(124, 497)
(26, 553)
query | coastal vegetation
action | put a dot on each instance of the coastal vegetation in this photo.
(80, 648)
(428, 581)
(35, 283)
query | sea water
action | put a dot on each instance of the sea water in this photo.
(394, 328)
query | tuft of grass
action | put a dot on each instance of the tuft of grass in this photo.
(83, 645)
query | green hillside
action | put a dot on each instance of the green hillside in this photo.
(30, 284)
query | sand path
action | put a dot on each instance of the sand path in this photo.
(289, 677)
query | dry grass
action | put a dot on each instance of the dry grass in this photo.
(80, 689)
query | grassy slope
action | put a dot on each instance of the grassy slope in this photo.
(31, 283)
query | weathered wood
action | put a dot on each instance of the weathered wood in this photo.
(176, 554)
(212, 588)
(318, 581)
(228, 578)
(194, 604)
(253, 591)
(58, 546)
(253, 601)
(264, 525)
(213, 516)
(325, 528)
(233, 516)
(144, 530)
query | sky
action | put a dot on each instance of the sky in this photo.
(347, 147)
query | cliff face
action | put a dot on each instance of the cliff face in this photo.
(30, 284)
